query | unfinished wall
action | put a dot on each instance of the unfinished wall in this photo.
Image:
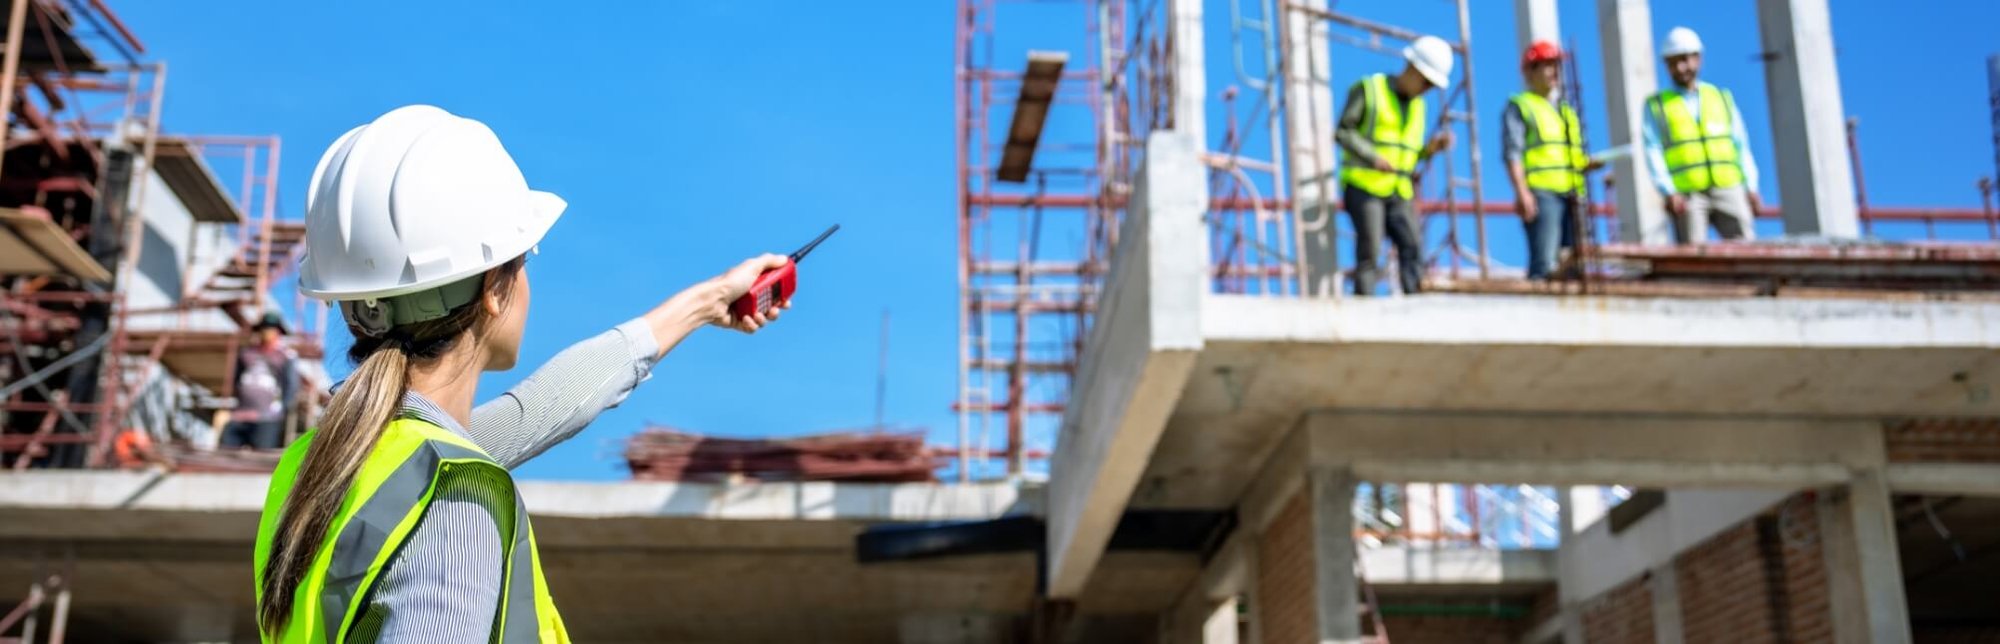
(1944, 440)
(1726, 589)
(1622, 616)
(1451, 629)
(1286, 603)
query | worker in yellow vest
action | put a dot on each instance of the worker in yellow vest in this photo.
(1543, 144)
(396, 520)
(1696, 149)
(1381, 137)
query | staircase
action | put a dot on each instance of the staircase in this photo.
(233, 288)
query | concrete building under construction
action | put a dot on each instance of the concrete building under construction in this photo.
(1793, 440)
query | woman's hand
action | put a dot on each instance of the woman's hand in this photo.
(736, 282)
(707, 303)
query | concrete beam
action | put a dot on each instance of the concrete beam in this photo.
(1141, 351)
(1571, 449)
(1537, 20)
(1943, 479)
(1863, 566)
(1405, 566)
(242, 493)
(1664, 586)
(1278, 478)
(1808, 123)
(1334, 583)
(1625, 29)
(1596, 560)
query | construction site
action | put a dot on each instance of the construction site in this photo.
(1175, 424)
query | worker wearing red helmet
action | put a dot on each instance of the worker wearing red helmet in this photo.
(1543, 144)
(1381, 137)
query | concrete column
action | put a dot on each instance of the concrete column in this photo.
(1585, 504)
(1220, 627)
(1309, 107)
(1864, 571)
(1665, 587)
(1808, 123)
(1423, 511)
(1537, 20)
(1338, 592)
(1626, 29)
(1190, 75)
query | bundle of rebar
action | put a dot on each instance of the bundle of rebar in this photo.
(667, 454)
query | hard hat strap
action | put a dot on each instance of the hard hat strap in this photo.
(374, 318)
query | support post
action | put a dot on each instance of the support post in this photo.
(1309, 108)
(1626, 30)
(1808, 122)
(1665, 587)
(1338, 589)
(1863, 571)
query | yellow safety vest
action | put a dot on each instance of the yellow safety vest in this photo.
(389, 494)
(1398, 139)
(1553, 157)
(1700, 155)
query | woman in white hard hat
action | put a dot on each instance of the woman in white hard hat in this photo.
(397, 520)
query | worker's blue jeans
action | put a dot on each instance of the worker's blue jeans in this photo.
(1552, 229)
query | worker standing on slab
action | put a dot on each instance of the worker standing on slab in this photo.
(397, 519)
(1697, 151)
(1542, 142)
(267, 382)
(1381, 136)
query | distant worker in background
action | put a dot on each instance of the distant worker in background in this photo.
(1542, 142)
(1696, 150)
(266, 382)
(1381, 136)
(397, 519)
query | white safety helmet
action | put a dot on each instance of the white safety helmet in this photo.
(416, 200)
(1680, 41)
(1432, 57)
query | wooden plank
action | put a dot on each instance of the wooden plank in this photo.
(17, 257)
(53, 245)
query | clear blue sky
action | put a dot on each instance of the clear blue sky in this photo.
(687, 136)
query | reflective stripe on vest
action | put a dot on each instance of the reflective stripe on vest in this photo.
(1553, 157)
(388, 495)
(1699, 154)
(1398, 137)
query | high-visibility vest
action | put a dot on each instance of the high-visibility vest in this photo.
(383, 503)
(1700, 155)
(1398, 139)
(1553, 157)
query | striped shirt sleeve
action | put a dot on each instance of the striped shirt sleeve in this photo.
(565, 394)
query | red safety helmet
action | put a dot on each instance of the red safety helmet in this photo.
(1541, 51)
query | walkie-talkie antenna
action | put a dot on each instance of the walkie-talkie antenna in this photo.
(801, 253)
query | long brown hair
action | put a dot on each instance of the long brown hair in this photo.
(347, 433)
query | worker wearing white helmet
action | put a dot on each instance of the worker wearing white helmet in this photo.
(419, 225)
(1381, 136)
(1697, 150)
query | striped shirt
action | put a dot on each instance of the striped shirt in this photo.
(444, 585)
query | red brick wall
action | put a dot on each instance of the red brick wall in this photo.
(1624, 615)
(1725, 589)
(1760, 581)
(1451, 629)
(1286, 604)
(1970, 440)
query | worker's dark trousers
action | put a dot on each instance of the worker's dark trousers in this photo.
(261, 434)
(1553, 229)
(1372, 217)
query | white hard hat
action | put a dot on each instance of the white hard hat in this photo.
(1681, 41)
(1432, 57)
(417, 199)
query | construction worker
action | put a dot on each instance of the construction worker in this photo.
(1696, 150)
(419, 226)
(1543, 144)
(1381, 137)
(266, 383)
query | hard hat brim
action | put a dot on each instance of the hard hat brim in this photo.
(546, 208)
(1437, 80)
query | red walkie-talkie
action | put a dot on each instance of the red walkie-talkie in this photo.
(776, 285)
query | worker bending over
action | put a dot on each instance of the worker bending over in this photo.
(397, 519)
(1381, 136)
(1543, 144)
(1696, 150)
